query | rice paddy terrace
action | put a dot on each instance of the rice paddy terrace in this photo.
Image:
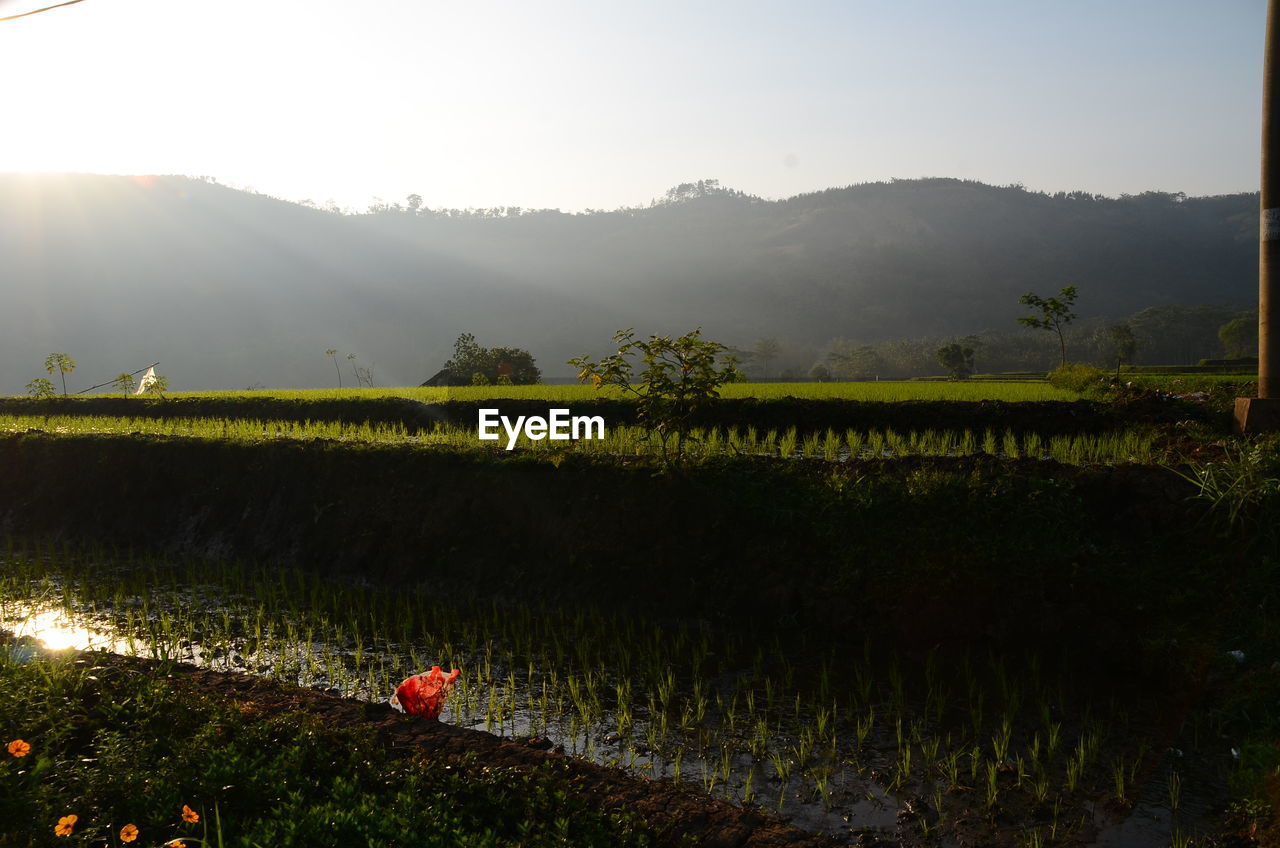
(923, 614)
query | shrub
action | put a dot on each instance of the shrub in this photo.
(1077, 377)
(680, 377)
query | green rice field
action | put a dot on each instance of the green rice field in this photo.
(1135, 445)
(1012, 390)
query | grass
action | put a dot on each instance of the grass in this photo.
(121, 748)
(967, 390)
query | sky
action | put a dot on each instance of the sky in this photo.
(601, 104)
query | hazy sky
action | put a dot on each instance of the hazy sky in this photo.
(543, 103)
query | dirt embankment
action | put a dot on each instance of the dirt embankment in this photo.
(671, 809)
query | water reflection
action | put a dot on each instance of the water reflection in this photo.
(57, 631)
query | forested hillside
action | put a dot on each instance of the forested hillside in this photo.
(230, 289)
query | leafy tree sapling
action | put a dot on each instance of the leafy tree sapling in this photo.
(680, 376)
(156, 386)
(41, 387)
(62, 364)
(1055, 313)
(124, 383)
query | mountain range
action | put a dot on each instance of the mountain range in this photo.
(232, 289)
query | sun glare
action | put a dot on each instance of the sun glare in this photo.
(57, 632)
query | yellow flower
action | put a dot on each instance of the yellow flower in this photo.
(19, 748)
(189, 815)
(175, 843)
(65, 825)
(128, 833)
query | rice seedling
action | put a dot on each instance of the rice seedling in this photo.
(1119, 777)
(864, 725)
(1075, 769)
(787, 444)
(748, 793)
(831, 446)
(781, 765)
(951, 770)
(1000, 742)
(1055, 739)
(1040, 789)
(1010, 445)
(903, 771)
(992, 795)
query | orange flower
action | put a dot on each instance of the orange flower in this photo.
(65, 825)
(128, 833)
(175, 843)
(189, 815)
(19, 748)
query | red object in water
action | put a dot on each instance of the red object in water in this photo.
(424, 694)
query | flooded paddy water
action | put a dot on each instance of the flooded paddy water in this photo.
(940, 748)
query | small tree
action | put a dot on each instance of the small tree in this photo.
(851, 361)
(957, 359)
(156, 386)
(468, 357)
(513, 364)
(332, 353)
(679, 377)
(1123, 345)
(124, 383)
(1055, 313)
(493, 363)
(819, 373)
(41, 387)
(767, 350)
(62, 364)
(1239, 337)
